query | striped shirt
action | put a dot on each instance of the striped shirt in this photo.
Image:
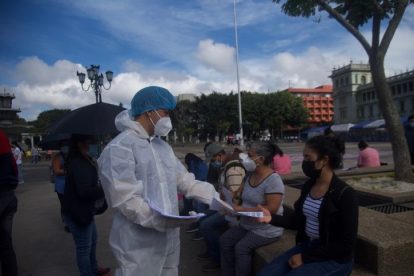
(311, 211)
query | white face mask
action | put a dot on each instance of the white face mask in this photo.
(247, 162)
(163, 125)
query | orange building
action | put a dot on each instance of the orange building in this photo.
(318, 101)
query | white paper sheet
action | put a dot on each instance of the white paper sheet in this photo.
(219, 205)
(192, 216)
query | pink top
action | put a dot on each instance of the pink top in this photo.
(369, 157)
(282, 164)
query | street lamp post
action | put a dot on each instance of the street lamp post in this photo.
(96, 80)
(238, 78)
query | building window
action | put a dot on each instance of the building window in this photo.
(342, 82)
(362, 111)
(363, 79)
(371, 113)
(336, 83)
(402, 106)
(342, 114)
(412, 104)
(364, 97)
(393, 90)
(399, 89)
(356, 78)
(346, 80)
(410, 86)
(405, 90)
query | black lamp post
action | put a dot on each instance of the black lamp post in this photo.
(96, 80)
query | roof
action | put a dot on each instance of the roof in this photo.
(323, 89)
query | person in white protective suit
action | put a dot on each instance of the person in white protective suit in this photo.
(138, 168)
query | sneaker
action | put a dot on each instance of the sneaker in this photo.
(211, 267)
(197, 237)
(203, 256)
(103, 271)
(192, 228)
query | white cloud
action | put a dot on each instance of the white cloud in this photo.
(216, 55)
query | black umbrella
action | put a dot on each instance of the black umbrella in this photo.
(52, 141)
(96, 119)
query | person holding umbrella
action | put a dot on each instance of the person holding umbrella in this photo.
(139, 171)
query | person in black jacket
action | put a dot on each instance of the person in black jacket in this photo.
(325, 217)
(83, 194)
(8, 206)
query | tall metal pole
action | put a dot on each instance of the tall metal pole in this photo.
(238, 78)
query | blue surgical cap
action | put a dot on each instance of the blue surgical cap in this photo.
(151, 98)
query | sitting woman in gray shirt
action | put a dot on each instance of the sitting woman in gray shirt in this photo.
(261, 186)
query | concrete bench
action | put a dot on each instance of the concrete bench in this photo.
(385, 244)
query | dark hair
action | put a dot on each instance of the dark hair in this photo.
(278, 150)
(410, 117)
(362, 144)
(329, 132)
(266, 149)
(328, 146)
(73, 144)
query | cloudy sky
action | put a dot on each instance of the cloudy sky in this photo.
(186, 46)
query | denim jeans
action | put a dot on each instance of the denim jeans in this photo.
(85, 238)
(280, 266)
(8, 207)
(210, 228)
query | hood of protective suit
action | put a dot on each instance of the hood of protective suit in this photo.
(123, 122)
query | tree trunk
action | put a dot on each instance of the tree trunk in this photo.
(402, 163)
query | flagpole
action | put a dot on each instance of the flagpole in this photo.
(237, 73)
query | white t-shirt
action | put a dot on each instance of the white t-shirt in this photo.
(17, 153)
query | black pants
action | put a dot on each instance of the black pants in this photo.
(60, 196)
(8, 207)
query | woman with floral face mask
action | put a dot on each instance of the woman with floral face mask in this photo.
(261, 186)
(325, 217)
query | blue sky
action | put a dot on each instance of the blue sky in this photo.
(185, 46)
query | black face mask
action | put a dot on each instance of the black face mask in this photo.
(308, 168)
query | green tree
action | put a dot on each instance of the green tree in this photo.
(46, 118)
(183, 119)
(353, 14)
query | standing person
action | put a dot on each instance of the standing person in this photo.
(282, 164)
(83, 193)
(368, 157)
(18, 155)
(261, 187)
(8, 206)
(409, 135)
(325, 217)
(59, 172)
(35, 155)
(139, 170)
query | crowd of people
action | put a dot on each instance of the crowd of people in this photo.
(139, 176)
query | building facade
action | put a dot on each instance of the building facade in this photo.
(8, 114)
(318, 101)
(355, 99)
(346, 81)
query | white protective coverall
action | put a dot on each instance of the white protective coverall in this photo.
(136, 169)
